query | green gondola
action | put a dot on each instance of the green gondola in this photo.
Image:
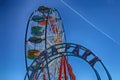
(44, 9)
(35, 39)
(37, 31)
(32, 53)
(38, 18)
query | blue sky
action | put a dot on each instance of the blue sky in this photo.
(104, 14)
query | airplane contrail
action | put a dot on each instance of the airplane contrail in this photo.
(90, 22)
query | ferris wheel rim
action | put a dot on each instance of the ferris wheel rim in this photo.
(26, 36)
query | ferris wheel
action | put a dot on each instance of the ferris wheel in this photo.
(46, 49)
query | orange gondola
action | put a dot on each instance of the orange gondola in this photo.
(33, 53)
(42, 23)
